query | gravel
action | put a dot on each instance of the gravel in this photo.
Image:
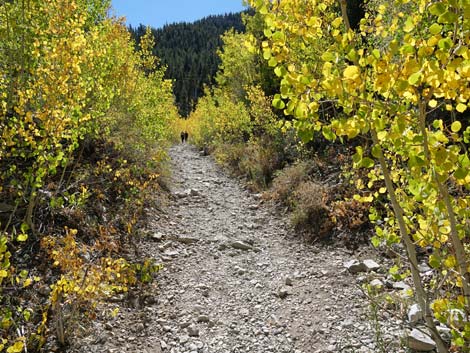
(236, 279)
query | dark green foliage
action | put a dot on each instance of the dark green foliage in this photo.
(189, 52)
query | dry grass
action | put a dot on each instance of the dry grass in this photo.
(287, 181)
(310, 215)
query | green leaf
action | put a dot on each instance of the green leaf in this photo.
(278, 36)
(280, 71)
(375, 241)
(367, 162)
(434, 261)
(437, 8)
(445, 43)
(461, 173)
(328, 56)
(409, 25)
(24, 227)
(376, 151)
(414, 78)
(278, 102)
(328, 133)
(407, 49)
(448, 17)
(435, 29)
(306, 135)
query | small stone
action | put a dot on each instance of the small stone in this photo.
(401, 285)
(377, 283)
(445, 332)
(193, 331)
(289, 281)
(371, 265)
(108, 326)
(171, 253)
(203, 318)
(414, 314)
(240, 245)
(157, 236)
(187, 240)
(420, 341)
(180, 195)
(244, 312)
(423, 267)
(283, 292)
(355, 266)
(193, 192)
(155, 349)
(185, 324)
(183, 339)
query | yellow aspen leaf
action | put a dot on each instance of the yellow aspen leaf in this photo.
(351, 72)
(461, 108)
(456, 126)
(450, 262)
(22, 237)
(16, 348)
(409, 25)
(432, 103)
(337, 22)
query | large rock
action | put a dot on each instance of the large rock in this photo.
(414, 314)
(420, 341)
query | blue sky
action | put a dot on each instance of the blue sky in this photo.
(156, 13)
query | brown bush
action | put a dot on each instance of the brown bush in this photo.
(287, 181)
(259, 163)
(311, 215)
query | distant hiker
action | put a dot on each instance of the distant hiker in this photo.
(183, 136)
(186, 135)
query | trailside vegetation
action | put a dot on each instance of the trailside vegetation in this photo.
(398, 86)
(388, 81)
(84, 119)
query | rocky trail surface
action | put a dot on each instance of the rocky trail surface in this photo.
(235, 279)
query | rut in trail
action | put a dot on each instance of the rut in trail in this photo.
(236, 279)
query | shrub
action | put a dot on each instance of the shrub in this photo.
(310, 215)
(287, 181)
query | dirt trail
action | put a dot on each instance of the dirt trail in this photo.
(235, 279)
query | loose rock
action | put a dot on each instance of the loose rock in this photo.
(420, 341)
